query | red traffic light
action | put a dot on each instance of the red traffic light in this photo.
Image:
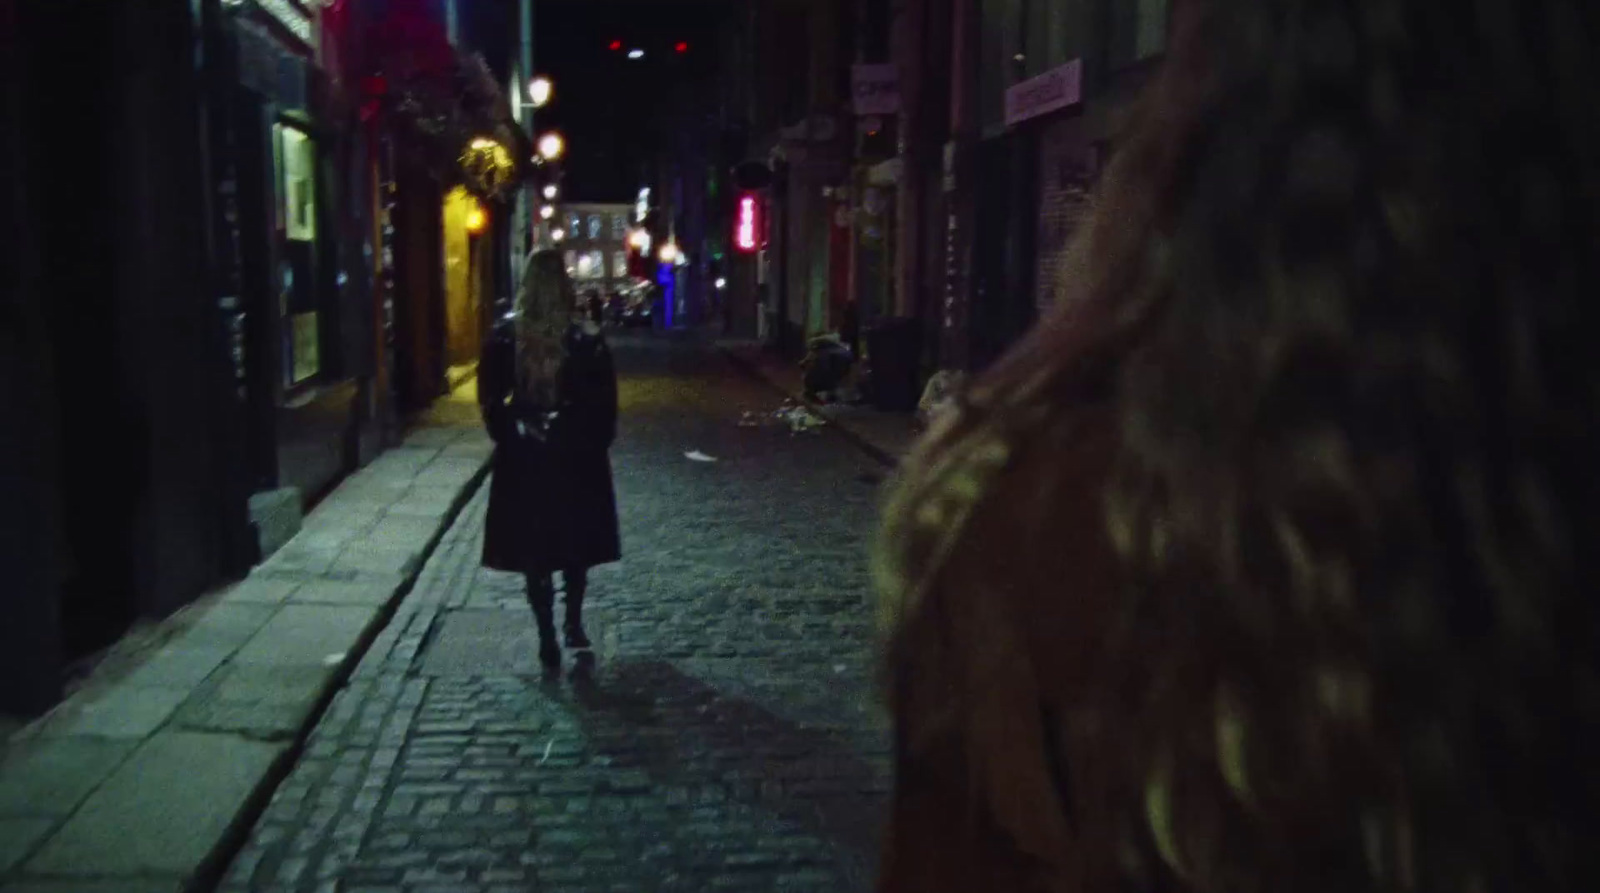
(616, 46)
(682, 47)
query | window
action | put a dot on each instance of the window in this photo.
(294, 154)
(591, 265)
(594, 227)
(619, 227)
(619, 265)
(574, 226)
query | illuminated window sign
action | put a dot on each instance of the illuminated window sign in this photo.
(745, 236)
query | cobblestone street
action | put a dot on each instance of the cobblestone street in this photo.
(724, 737)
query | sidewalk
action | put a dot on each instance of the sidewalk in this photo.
(888, 436)
(147, 778)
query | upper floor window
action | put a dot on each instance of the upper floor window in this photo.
(594, 226)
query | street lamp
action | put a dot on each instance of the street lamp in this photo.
(551, 146)
(636, 55)
(557, 234)
(540, 89)
(546, 212)
(551, 191)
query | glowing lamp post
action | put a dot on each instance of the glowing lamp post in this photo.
(552, 146)
(540, 89)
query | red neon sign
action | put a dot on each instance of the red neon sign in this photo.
(745, 236)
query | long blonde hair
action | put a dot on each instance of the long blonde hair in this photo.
(544, 307)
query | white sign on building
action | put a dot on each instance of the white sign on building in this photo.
(875, 89)
(1056, 89)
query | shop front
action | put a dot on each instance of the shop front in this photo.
(1036, 170)
(300, 384)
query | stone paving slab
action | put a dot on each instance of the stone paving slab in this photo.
(18, 837)
(123, 710)
(50, 778)
(125, 885)
(307, 635)
(261, 590)
(133, 825)
(134, 783)
(269, 703)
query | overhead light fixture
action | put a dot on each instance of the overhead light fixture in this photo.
(546, 212)
(552, 146)
(636, 54)
(721, 283)
(551, 191)
(558, 234)
(669, 253)
(540, 89)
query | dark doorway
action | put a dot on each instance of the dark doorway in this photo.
(1003, 306)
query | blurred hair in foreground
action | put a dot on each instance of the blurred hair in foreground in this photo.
(1306, 468)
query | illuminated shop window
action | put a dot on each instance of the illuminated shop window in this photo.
(295, 157)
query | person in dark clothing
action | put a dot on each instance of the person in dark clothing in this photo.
(548, 389)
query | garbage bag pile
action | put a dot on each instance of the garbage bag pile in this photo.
(798, 419)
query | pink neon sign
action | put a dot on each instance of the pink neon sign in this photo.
(745, 238)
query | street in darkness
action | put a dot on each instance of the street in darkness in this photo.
(726, 735)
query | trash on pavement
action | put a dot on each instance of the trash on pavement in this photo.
(697, 456)
(799, 419)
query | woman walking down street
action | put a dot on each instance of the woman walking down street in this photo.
(548, 389)
(1271, 561)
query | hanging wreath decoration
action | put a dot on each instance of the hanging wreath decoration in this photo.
(448, 109)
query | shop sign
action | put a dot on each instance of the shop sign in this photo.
(875, 89)
(747, 230)
(1056, 89)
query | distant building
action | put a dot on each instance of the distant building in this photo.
(596, 245)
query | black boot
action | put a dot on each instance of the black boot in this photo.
(577, 585)
(542, 598)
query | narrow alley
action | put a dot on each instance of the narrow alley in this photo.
(725, 735)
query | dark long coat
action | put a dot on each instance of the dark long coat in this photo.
(551, 503)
